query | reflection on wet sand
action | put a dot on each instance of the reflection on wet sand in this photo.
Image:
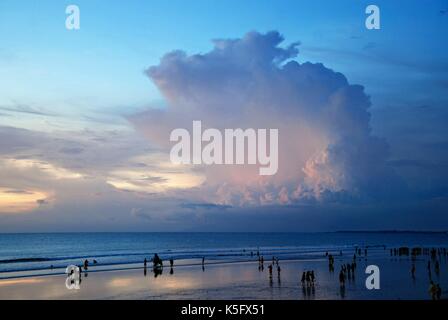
(306, 279)
(10, 282)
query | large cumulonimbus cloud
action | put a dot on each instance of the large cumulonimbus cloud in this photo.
(326, 148)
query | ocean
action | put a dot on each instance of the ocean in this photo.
(55, 251)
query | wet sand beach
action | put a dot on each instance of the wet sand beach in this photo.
(239, 280)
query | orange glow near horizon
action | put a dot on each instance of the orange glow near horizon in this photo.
(13, 201)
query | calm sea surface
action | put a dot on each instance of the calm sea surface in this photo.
(20, 252)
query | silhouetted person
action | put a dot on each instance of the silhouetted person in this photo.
(413, 270)
(145, 262)
(171, 263)
(86, 264)
(279, 270)
(157, 261)
(94, 261)
(303, 278)
(308, 278)
(270, 269)
(203, 260)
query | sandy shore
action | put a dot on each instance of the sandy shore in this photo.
(235, 281)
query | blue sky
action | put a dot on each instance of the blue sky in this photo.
(65, 95)
(50, 66)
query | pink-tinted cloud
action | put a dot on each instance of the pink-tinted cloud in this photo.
(325, 140)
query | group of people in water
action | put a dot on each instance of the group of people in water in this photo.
(435, 256)
(157, 265)
(347, 272)
(275, 264)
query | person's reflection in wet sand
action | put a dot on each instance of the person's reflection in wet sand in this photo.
(203, 268)
(342, 291)
(304, 292)
(437, 268)
(80, 274)
(271, 283)
(144, 271)
(308, 291)
(157, 272)
(171, 270)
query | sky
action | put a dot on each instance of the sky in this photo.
(85, 115)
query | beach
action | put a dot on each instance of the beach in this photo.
(237, 281)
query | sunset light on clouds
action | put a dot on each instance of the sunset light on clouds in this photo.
(85, 120)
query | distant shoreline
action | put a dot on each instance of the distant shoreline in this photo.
(392, 231)
(235, 232)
